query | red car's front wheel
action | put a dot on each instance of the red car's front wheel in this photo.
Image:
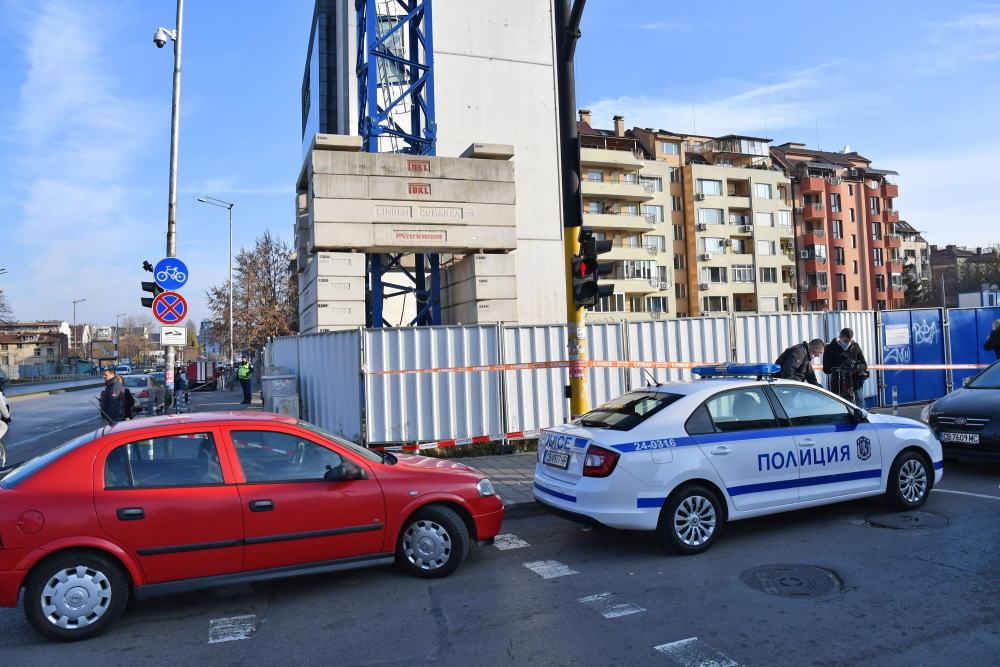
(433, 543)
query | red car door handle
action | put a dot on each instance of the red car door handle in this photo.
(261, 505)
(131, 513)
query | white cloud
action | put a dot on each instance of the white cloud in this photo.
(950, 46)
(666, 25)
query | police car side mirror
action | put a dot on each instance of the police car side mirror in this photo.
(860, 415)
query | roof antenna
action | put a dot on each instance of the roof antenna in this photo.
(765, 126)
(817, 136)
(652, 379)
(694, 122)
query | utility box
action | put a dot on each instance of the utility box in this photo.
(283, 405)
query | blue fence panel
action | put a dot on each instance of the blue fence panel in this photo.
(897, 348)
(969, 329)
(928, 348)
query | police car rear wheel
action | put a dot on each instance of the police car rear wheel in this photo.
(690, 520)
(909, 482)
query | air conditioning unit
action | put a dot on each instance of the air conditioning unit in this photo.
(746, 229)
(702, 226)
(793, 299)
(854, 171)
(791, 273)
(729, 242)
(705, 256)
(804, 254)
(800, 209)
(803, 288)
(700, 196)
(703, 286)
(835, 181)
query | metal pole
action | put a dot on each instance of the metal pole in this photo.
(175, 109)
(230, 288)
(567, 20)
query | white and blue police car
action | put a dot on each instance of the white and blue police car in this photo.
(683, 458)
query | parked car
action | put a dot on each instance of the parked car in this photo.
(968, 419)
(150, 394)
(162, 506)
(123, 369)
(160, 368)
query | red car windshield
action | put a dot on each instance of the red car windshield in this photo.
(29, 468)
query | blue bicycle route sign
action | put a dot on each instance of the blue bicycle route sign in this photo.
(170, 273)
(169, 307)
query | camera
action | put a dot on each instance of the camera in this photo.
(160, 38)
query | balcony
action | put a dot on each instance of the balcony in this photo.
(625, 252)
(787, 256)
(893, 240)
(897, 290)
(737, 201)
(891, 215)
(811, 212)
(641, 223)
(889, 190)
(897, 262)
(815, 264)
(812, 184)
(617, 189)
(598, 157)
(815, 237)
(817, 292)
(785, 232)
(635, 285)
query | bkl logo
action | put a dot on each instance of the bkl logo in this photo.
(418, 165)
(420, 188)
(864, 448)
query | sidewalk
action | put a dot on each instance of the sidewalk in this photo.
(512, 476)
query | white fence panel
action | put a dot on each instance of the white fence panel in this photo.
(686, 339)
(284, 351)
(762, 338)
(329, 370)
(862, 323)
(429, 407)
(605, 342)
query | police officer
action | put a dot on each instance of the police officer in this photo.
(843, 357)
(796, 361)
(244, 371)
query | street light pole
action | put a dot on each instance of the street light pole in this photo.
(117, 336)
(160, 39)
(76, 343)
(225, 204)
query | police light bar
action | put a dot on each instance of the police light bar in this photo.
(736, 370)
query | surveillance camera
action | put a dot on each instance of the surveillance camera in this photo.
(160, 39)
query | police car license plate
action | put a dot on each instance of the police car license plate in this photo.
(970, 438)
(556, 459)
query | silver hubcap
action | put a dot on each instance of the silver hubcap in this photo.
(76, 597)
(694, 520)
(912, 481)
(427, 544)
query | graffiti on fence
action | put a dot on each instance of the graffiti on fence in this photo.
(926, 333)
(897, 355)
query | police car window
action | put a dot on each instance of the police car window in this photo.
(628, 411)
(741, 410)
(806, 407)
(269, 456)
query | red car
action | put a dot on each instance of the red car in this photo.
(185, 502)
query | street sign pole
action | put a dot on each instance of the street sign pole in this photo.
(175, 108)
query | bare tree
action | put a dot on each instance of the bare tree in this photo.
(133, 337)
(6, 312)
(265, 296)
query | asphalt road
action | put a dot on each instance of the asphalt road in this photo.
(39, 423)
(33, 387)
(925, 595)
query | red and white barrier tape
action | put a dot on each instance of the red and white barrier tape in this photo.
(442, 444)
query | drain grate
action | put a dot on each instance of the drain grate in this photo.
(905, 520)
(792, 581)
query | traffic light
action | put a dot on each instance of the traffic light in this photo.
(587, 271)
(147, 302)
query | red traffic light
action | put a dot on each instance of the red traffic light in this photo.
(583, 267)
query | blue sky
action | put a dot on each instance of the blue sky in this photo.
(84, 122)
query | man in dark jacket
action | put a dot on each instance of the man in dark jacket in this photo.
(993, 340)
(796, 361)
(113, 399)
(840, 350)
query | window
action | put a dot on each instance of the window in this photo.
(630, 209)
(838, 256)
(842, 282)
(764, 219)
(655, 242)
(610, 304)
(595, 175)
(874, 205)
(270, 456)
(675, 203)
(715, 304)
(595, 207)
(740, 410)
(738, 218)
(765, 247)
(651, 183)
(753, 147)
(806, 407)
(678, 232)
(742, 273)
(876, 231)
(626, 412)
(742, 246)
(681, 290)
(850, 190)
(190, 459)
(896, 279)
(680, 262)
(38, 351)
(785, 219)
(662, 273)
(725, 162)
(630, 241)
(877, 255)
(655, 211)
(708, 187)
(762, 190)
(854, 241)
(667, 148)
(769, 275)
(658, 303)
(879, 282)
(838, 228)
(816, 279)
(880, 304)
(834, 202)
(852, 214)
(711, 216)
(713, 245)
(768, 304)
(638, 269)
(628, 178)
(713, 274)
(841, 305)
(635, 304)
(675, 174)
(857, 293)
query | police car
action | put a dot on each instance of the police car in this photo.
(683, 458)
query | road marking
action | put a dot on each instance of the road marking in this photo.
(508, 541)
(550, 569)
(966, 493)
(607, 607)
(45, 435)
(231, 629)
(694, 653)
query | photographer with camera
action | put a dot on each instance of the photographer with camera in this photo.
(845, 363)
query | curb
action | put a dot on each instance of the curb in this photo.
(54, 391)
(513, 511)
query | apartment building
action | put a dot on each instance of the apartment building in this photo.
(948, 264)
(849, 253)
(915, 251)
(628, 197)
(21, 349)
(737, 227)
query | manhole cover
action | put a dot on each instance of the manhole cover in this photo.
(905, 520)
(792, 581)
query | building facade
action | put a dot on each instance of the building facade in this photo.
(915, 252)
(26, 349)
(949, 263)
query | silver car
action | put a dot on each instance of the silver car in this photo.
(150, 394)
